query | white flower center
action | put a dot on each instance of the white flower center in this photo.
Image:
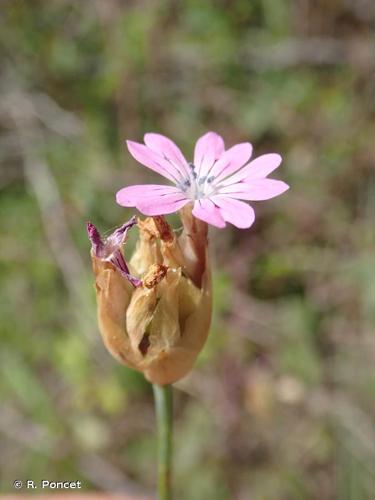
(197, 187)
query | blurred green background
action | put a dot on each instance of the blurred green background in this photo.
(281, 402)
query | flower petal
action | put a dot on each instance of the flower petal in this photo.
(168, 149)
(117, 259)
(97, 243)
(130, 195)
(162, 204)
(236, 212)
(154, 161)
(119, 235)
(109, 250)
(208, 149)
(206, 210)
(257, 169)
(255, 190)
(231, 160)
(263, 165)
(104, 248)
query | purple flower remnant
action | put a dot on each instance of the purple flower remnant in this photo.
(215, 183)
(109, 250)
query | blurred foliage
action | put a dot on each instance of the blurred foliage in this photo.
(280, 405)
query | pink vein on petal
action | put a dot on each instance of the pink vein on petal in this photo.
(169, 150)
(231, 160)
(208, 149)
(154, 161)
(161, 205)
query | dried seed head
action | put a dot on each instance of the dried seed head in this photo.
(159, 326)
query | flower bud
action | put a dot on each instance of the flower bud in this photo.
(154, 313)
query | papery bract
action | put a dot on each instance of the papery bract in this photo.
(154, 312)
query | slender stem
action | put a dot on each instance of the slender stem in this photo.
(163, 410)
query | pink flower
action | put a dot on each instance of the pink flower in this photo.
(215, 182)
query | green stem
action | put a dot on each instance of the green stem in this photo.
(164, 417)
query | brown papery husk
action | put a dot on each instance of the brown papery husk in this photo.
(113, 294)
(160, 327)
(171, 364)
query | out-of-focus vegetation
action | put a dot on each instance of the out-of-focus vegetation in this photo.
(281, 403)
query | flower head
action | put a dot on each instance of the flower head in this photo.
(215, 183)
(154, 312)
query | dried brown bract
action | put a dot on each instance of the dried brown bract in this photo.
(154, 313)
